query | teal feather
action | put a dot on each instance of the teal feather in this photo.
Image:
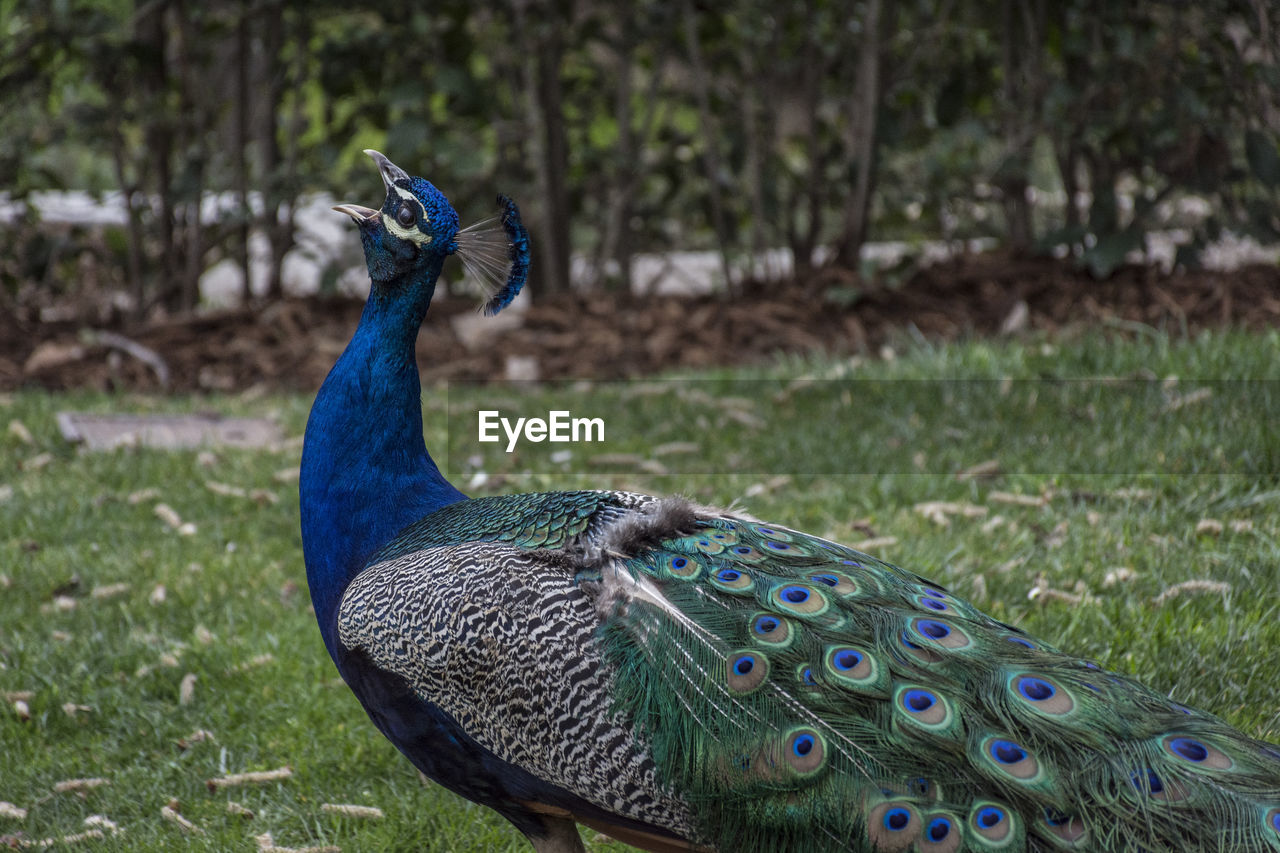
(921, 711)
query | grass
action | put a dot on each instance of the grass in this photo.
(105, 608)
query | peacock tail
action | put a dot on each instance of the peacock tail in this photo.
(756, 688)
(688, 678)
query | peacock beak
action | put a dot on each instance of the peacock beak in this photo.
(390, 171)
(357, 212)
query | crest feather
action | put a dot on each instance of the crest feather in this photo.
(495, 252)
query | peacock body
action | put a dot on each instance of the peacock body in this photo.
(682, 677)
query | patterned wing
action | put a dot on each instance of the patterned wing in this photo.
(803, 696)
(501, 638)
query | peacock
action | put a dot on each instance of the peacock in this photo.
(682, 677)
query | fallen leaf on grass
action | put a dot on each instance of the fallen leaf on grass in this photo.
(267, 845)
(12, 811)
(1194, 587)
(19, 430)
(141, 495)
(1017, 499)
(252, 663)
(110, 590)
(349, 810)
(169, 516)
(198, 736)
(940, 512)
(171, 814)
(78, 785)
(237, 779)
(1210, 526)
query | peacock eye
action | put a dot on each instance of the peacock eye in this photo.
(405, 215)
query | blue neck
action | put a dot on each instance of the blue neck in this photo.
(366, 473)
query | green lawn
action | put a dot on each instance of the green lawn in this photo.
(1108, 506)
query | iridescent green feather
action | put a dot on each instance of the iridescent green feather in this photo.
(810, 698)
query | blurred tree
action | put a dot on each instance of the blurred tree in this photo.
(737, 126)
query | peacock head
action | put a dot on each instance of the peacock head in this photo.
(416, 228)
(415, 225)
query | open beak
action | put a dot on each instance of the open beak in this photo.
(390, 173)
(356, 212)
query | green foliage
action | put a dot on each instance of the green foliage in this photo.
(748, 135)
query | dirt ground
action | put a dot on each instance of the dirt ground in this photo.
(291, 344)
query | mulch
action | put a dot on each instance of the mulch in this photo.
(291, 344)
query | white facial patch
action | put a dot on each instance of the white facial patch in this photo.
(411, 233)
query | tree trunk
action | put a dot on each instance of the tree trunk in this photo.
(278, 235)
(129, 189)
(555, 165)
(710, 149)
(150, 31)
(243, 58)
(864, 125)
(805, 239)
(1019, 130)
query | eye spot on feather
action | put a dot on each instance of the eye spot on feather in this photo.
(1147, 782)
(724, 537)
(804, 751)
(924, 707)
(1065, 827)
(1189, 749)
(773, 533)
(992, 822)
(920, 653)
(853, 563)
(733, 580)
(771, 629)
(838, 582)
(893, 826)
(946, 635)
(706, 544)
(847, 660)
(746, 553)
(1012, 759)
(854, 668)
(805, 676)
(1153, 786)
(778, 546)
(1273, 819)
(933, 630)
(934, 593)
(799, 599)
(1197, 752)
(1020, 641)
(1043, 695)
(931, 604)
(681, 566)
(747, 671)
(941, 834)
